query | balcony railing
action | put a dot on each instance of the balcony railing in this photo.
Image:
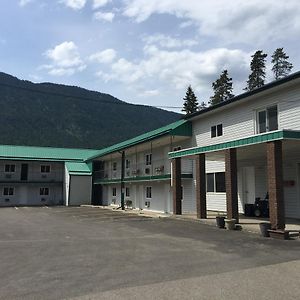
(157, 168)
(32, 177)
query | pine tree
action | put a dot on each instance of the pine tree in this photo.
(190, 104)
(258, 71)
(202, 105)
(222, 89)
(281, 66)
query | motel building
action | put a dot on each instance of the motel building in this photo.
(243, 149)
(219, 159)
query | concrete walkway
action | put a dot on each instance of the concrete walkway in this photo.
(249, 224)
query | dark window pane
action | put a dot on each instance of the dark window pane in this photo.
(213, 131)
(219, 130)
(220, 182)
(6, 168)
(262, 126)
(210, 182)
(273, 118)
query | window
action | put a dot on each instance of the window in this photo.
(45, 168)
(114, 192)
(148, 192)
(8, 191)
(127, 192)
(148, 159)
(267, 119)
(215, 182)
(10, 168)
(127, 164)
(216, 130)
(44, 191)
(177, 148)
(114, 166)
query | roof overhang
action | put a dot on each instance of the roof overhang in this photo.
(252, 140)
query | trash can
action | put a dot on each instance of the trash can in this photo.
(264, 227)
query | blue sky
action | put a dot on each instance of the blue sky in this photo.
(144, 51)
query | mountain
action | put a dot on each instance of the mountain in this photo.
(46, 114)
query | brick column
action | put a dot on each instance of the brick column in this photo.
(201, 186)
(275, 184)
(231, 184)
(176, 186)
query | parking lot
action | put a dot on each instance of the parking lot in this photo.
(94, 253)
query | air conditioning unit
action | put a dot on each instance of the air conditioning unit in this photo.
(135, 172)
(113, 201)
(114, 174)
(127, 173)
(147, 204)
(147, 171)
(44, 176)
(159, 169)
(43, 199)
(7, 175)
(6, 200)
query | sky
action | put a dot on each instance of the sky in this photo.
(144, 51)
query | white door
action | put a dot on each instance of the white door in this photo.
(248, 185)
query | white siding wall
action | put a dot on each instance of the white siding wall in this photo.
(239, 121)
(80, 190)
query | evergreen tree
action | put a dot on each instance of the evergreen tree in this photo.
(190, 104)
(202, 105)
(258, 71)
(222, 89)
(281, 66)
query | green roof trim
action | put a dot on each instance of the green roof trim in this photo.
(179, 128)
(256, 139)
(78, 168)
(13, 152)
(141, 178)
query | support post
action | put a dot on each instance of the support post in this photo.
(176, 185)
(275, 185)
(201, 187)
(122, 181)
(231, 184)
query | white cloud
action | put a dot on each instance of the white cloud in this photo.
(105, 56)
(100, 3)
(25, 2)
(65, 60)
(237, 21)
(74, 4)
(169, 42)
(149, 93)
(104, 16)
(177, 69)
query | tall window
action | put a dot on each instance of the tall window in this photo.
(114, 192)
(10, 168)
(216, 130)
(148, 192)
(114, 166)
(215, 182)
(8, 191)
(148, 159)
(127, 164)
(267, 119)
(127, 192)
(44, 191)
(45, 168)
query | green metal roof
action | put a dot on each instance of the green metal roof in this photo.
(78, 168)
(256, 139)
(44, 153)
(179, 128)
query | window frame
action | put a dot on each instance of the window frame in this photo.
(127, 192)
(148, 162)
(114, 166)
(45, 189)
(148, 192)
(267, 120)
(215, 183)
(114, 192)
(127, 164)
(215, 130)
(10, 191)
(45, 169)
(11, 168)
